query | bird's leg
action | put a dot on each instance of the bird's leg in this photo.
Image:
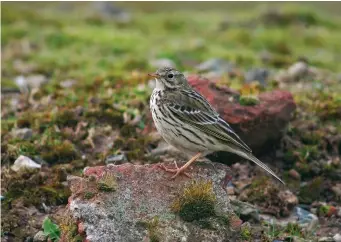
(178, 170)
(227, 179)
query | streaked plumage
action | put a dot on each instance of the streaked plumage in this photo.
(188, 122)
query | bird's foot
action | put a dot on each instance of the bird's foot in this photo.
(177, 170)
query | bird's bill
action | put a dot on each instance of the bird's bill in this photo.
(154, 75)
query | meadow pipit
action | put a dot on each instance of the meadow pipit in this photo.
(187, 121)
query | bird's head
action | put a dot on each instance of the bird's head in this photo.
(169, 78)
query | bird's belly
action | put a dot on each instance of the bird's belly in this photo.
(175, 135)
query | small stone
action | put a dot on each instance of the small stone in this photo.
(109, 10)
(116, 159)
(298, 70)
(257, 74)
(306, 219)
(337, 237)
(28, 83)
(216, 65)
(245, 210)
(40, 237)
(288, 198)
(294, 174)
(326, 239)
(24, 162)
(159, 63)
(68, 83)
(24, 133)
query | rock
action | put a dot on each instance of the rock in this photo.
(303, 218)
(68, 83)
(326, 239)
(158, 63)
(306, 219)
(298, 70)
(28, 83)
(116, 159)
(245, 210)
(294, 174)
(216, 65)
(257, 125)
(337, 237)
(257, 74)
(146, 205)
(40, 237)
(24, 162)
(289, 199)
(24, 133)
(337, 189)
(109, 10)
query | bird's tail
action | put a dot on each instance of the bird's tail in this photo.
(252, 158)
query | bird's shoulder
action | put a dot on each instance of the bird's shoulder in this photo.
(189, 99)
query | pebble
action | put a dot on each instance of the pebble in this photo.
(306, 219)
(24, 162)
(257, 74)
(216, 65)
(24, 133)
(25, 84)
(116, 159)
(68, 83)
(40, 237)
(337, 238)
(294, 174)
(326, 239)
(298, 70)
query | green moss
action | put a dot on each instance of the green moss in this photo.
(312, 191)
(89, 195)
(128, 131)
(197, 201)
(65, 118)
(69, 230)
(294, 229)
(34, 120)
(33, 188)
(245, 233)
(152, 227)
(59, 153)
(109, 116)
(107, 183)
(248, 100)
(118, 143)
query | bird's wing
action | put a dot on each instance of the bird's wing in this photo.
(192, 108)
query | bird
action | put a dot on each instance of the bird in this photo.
(188, 122)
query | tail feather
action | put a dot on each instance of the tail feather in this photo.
(252, 158)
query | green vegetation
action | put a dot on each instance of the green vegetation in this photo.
(107, 183)
(51, 230)
(197, 201)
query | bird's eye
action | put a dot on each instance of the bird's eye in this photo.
(170, 76)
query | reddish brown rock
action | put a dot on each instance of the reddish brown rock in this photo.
(258, 125)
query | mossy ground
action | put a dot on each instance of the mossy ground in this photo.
(105, 109)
